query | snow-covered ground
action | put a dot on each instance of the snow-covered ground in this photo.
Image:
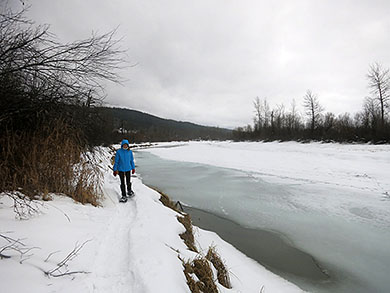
(131, 247)
(331, 200)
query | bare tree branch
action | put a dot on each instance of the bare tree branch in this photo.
(24, 206)
(313, 109)
(15, 245)
(62, 268)
(379, 83)
(37, 72)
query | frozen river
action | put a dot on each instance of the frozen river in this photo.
(329, 203)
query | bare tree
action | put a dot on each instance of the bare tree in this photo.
(294, 114)
(258, 113)
(329, 121)
(379, 83)
(371, 113)
(293, 117)
(313, 109)
(266, 113)
(280, 116)
(34, 66)
(262, 113)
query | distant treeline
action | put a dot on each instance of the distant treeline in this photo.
(142, 127)
(371, 124)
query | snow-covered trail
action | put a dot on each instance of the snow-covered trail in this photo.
(128, 258)
(114, 264)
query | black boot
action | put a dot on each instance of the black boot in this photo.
(123, 199)
(123, 190)
(130, 192)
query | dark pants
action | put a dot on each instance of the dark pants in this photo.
(122, 176)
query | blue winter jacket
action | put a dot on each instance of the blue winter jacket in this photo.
(124, 159)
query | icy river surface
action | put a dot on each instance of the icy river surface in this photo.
(330, 201)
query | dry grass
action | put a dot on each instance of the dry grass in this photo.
(187, 235)
(184, 219)
(222, 272)
(192, 284)
(200, 267)
(168, 202)
(48, 161)
(88, 186)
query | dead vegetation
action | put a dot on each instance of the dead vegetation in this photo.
(11, 246)
(200, 267)
(222, 272)
(198, 272)
(48, 160)
(48, 92)
(62, 267)
(187, 235)
(24, 206)
(183, 218)
(169, 203)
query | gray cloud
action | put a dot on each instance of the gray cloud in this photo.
(205, 61)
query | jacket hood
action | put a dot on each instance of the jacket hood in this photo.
(125, 141)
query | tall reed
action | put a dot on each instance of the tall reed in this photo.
(48, 160)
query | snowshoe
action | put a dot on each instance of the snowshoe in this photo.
(123, 199)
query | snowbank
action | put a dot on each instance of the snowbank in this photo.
(131, 247)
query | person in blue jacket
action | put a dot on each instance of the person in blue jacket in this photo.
(124, 163)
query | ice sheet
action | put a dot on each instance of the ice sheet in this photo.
(328, 199)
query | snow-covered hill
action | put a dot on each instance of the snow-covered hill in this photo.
(131, 247)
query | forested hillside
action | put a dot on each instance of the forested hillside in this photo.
(140, 127)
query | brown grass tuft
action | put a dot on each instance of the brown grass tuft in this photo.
(201, 268)
(204, 273)
(167, 201)
(188, 235)
(184, 219)
(49, 160)
(222, 272)
(192, 284)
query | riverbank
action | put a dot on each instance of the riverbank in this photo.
(330, 200)
(268, 248)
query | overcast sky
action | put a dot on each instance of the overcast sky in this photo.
(206, 61)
